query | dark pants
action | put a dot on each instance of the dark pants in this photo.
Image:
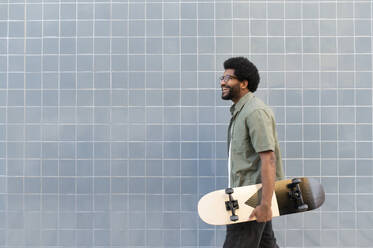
(250, 234)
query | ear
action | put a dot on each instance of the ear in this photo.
(244, 84)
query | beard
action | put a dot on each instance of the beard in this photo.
(227, 94)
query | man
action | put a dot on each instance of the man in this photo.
(254, 154)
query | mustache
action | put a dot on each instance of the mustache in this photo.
(226, 87)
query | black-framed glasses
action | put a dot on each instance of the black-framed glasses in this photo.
(226, 78)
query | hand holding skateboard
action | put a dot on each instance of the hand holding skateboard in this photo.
(261, 213)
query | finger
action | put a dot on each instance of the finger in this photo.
(259, 220)
(268, 217)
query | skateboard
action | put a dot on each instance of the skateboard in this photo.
(234, 205)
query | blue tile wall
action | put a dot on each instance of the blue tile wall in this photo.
(112, 126)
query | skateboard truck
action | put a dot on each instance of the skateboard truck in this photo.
(295, 194)
(231, 205)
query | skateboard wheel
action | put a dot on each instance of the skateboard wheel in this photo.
(229, 191)
(234, 218)
(303, 207)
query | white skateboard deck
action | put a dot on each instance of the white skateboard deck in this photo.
(212, 210)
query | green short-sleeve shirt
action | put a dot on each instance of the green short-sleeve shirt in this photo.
(252, 130)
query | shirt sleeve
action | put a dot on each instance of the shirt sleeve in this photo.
(261, 130)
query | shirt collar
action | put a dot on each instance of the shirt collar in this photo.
(235, 108)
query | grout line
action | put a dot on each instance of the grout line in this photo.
(180, 143)
(24, 112)
(58, 120)
(110, 129)
(355, 126)
(94, 210)
(129, 234)
(163, 115)
(40, 129)
(145, 131)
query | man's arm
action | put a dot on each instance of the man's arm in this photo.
(263, 212)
